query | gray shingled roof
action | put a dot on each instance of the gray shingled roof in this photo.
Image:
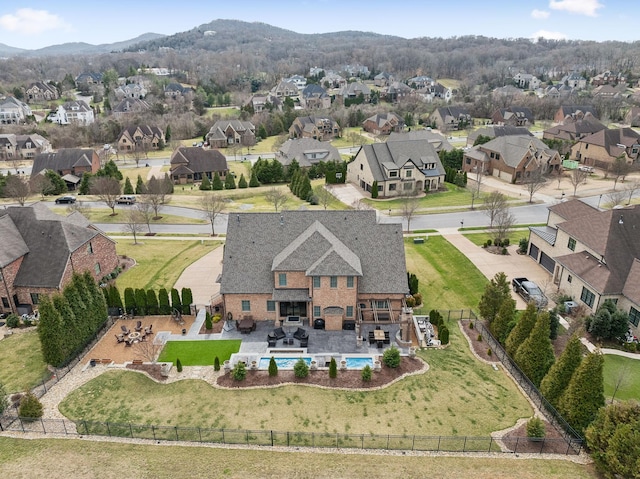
(420, 152)
(198, 160)
(13, 245)
(301, 148)
(63, 159)
(513, 148)
(438, 141)
(255, 240)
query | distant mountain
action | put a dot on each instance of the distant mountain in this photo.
(78, 48)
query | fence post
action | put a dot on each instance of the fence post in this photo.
(44, 429)
(515, 449)
(131, 430)
(362, 441)
(177, 437)
(490, 443)
(108, 429)
(64, 426)
(387, 442)
(86, 428)
(287, 438)
(200, 434)
(336, 440)
(223, 442)
(542, 445)
(439, 437)
(246, 434)
(272, 438)
(464, 445)
(153, 431)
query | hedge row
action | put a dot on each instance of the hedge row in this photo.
(146, 302)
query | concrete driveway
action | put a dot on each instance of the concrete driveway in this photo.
(201, 277)
(346, 192)
(513, 265)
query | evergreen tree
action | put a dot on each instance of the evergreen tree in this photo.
(292, 169)
(99, 305)
(110, 169)
(167, 134)
(51, 332)
(584, 395)
(495, 292)
(187, 300)
(305, 192)
(115, 300)
(253, 181)
(71, 324)
(374, 189)
(262, 132)
(443, 334)
(168, 184)
(30, 407)
(522, 329)
(242, 182)
(205, 184)
(557, 379)
(152, 302)
(535, 356)
(208, 323)
(295, 181)
(554, 324)
(333, 368)
(141, 302)
(229, 182)
(163, 302)
(85, 184)
(58, 185)
(216, 363)
(129, 301)
(128, 187)
(500, 327)
(84, 326)
(141, 188)
(216, 184)
(178, 365)
(175, 300)
(273, 367)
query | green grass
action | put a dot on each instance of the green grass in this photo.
(21, 363)
(481, 238)
(199, 353)
(267, 145)
(623, 372)
(83, 459)
(103, 215)
(159, 263)
(349, 140)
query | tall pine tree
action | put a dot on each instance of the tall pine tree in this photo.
(128, 187)
(557, 379)
(253, 180)
(229, 182)
(163, 302)
(51, 332)
(216, 184)
(141, 188)
(535, 356)
(495, 292)
(242, 182)
(522, 329)
(502, 323)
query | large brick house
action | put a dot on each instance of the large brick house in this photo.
(225, 133)
(145, 137)
(320, 128)
(601, 149)
(40, 251)
(191, 164)
(593, 255)
(67, 161)
(340, 266)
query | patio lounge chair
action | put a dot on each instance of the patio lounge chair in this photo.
(304, 342)
(128, 342)
(125, 330)
(300, 334)
(279, 333)
(272, 341)
(138, 327)
(148, 330)
(120, 338)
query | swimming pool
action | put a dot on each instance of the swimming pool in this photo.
(358, 362)
(283, 362)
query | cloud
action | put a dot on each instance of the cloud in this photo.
(539, 14)
(580, 7)
(32, 22)
(548, 35)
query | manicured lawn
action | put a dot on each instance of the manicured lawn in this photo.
(481, 238)
(351, 137)
(199, 353)
(265, 146)
(87, 459)
(624, 373)
(159, 263)
(103, 215)
(21, 363)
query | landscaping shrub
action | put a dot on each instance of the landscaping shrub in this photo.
(374, 189)
(535, 428)
(141, 302)
(488, 242)
(414, 283)
(333, 368)
(366, 373)
(239, 372)
(30, 407)
(391, 357)
(479, 337)
(300, 369)
(216, 364)
(418, 298)
(273, 367)
(523, 245)
(471, 325)
(13, 321)
(217, 318)
(497, 242)
(187, 300)
(489, 353)
(129, 300)
(152, 302)
(175, 300)
(411, 301)
(178, 365)
(208, 323)
(505, 242)
(163, 302)
(443, 334)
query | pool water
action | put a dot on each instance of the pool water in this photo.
(359, 363)
(283, 362)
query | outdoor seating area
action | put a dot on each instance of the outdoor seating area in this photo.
(379, 337)
(246, 325)
(129, 337)
(288, 338)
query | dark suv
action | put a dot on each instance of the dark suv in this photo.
(66, 199)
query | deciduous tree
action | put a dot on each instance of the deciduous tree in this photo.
(534, 182)
(494, 203)
(277, 197)
(107, 189)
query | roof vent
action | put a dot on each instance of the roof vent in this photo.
(238, 218)
(281, 220)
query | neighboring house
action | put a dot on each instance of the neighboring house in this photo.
(383, 124)
(435, 91)
(267, 102)
(526, 81)
(451, 118)
(356, 70)
(129, 106)
(307, 152)
(573, 128)
(493, 131)
(89, 78)
(593, 255)
(298, 80)
(69, 163)
(285, 89)
(22, 146)
(13, 111)
(574, 111)
(130, 90)
(40, 251)
(438, 141)
(632, 117)
(191, 164)
(39, 92)
(333, 80)
(337, 266)
(513, 116)
(398, 167)
(72, 112)
(511, 158)
(601, 148)
(225, 133)
(575, 80)
(320, 128)
(383, 79)
(314, 97)
(609, 78)
(351, 91)
(507, 91)
(606, 92)
(174, 90)
(145, 137)
(421, 81)
(396, 91)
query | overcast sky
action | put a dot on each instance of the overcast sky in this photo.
(35, 24)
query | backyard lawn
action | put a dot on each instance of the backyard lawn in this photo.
(199, 353)
(21, 363)
(159, 263)
(623, 373)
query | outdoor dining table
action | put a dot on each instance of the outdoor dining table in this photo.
(378, 334)
(246, 325)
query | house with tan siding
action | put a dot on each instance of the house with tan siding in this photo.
(600, 149)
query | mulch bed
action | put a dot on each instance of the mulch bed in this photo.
(480, 347)
(152, 370)
(553, 443)
(217, 328)
(345, 379)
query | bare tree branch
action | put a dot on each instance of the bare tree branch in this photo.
(534, 182)
(148, 350)
(133, 223)
(17, 189)
(277, 197)
(410, 204)
(157, 194)
(493, 204)
(577, 178)
(212, 205)
(107, 190)
(631, 187)
(323, 195)
(146, 213)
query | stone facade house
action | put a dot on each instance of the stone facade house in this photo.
(399, 168)
(285, 89)
(513, 116)
(131, 90)
(191, 164)
(22, 146)
(396, 91)
(40, 92)
(600, 149)
(494, 131)
(130, 106)
(451, 118)
(225, 133)
(144, 137)
(307, 152)
(339, 266)
(383, 124)
(572, 129)
(593, 255)
(314, 97)
(13, 111)
(438, 141)
(574, 111)
(320, 128)
(263, 102)
(511, 158)
(352, 91)
(40, 251)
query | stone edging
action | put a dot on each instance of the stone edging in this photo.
(471, 348)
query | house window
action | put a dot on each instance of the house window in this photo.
(246, 305)
(35, 297)
(393, 174)
(316, 312)
(569, 279)
(468, 161)
(316, 281)
(282, 279)
(349, 281)
(90, 248)
(334, 282)
(392, 187)
(587, 297)
(408, 186)
(5, 302)
(96, 268)
(407, 173)
(572, 244)
(381, 304)
(634, 316)
(380, 188)
(349, 311)
(361, 167)
(271, 305)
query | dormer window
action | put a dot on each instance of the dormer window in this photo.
(393, 174)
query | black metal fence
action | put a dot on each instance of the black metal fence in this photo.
(570, 435)
(461, 444)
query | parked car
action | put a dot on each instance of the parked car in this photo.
(126, 200)
(66, 199)
(530, 291)
(586, 169)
